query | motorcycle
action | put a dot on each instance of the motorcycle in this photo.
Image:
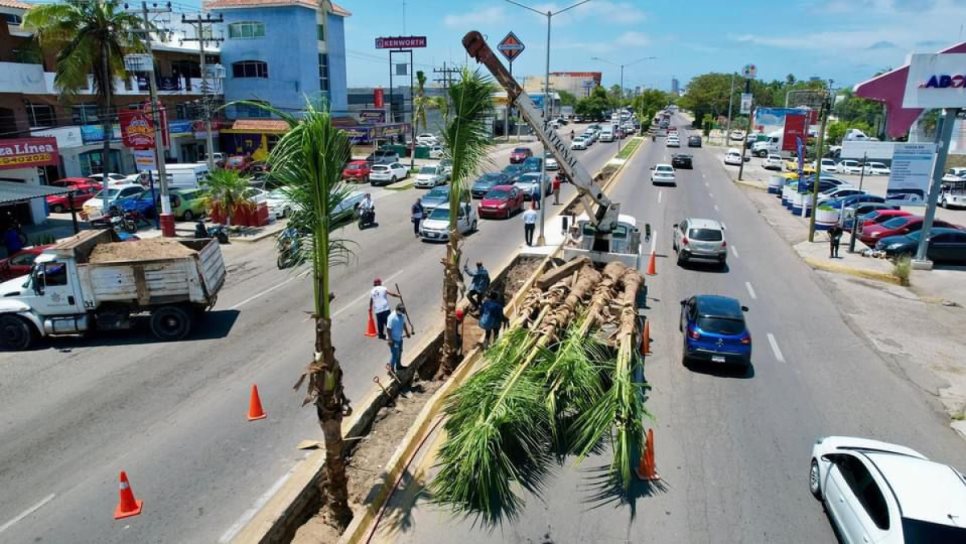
(288, 248)
(367, 218)
(218, 232)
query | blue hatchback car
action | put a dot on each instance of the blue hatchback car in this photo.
(714, 330)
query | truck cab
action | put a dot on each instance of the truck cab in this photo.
(623, 243)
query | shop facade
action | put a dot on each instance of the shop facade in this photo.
(29, 161)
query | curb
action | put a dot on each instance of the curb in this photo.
(863, 273)
(751, 185)
(271, 231)
(401, 185)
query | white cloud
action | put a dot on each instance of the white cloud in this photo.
(633, 39)
(479, 17)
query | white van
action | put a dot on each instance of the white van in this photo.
(607, 134)
(184, 175)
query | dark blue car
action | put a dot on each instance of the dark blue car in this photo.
(145, 203)
(487, 181)
(715, 331)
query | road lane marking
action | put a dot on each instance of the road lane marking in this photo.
(734, 251)
(706, 184)
(659, 195)
(703, 176)
(250, 513)
(364, 296)
(775, 349)
(725, 227)
(751, 290)
(27, 512)
(710, 194)
(716, 208)
(261, 294)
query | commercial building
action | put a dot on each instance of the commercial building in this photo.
(578, 84)
(675, 86)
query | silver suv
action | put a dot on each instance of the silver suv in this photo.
(383, 156)
(700, 239)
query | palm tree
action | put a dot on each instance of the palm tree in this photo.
(90, 37)
(421, 102)
(308, 162)
(467, 141)
(224, 189)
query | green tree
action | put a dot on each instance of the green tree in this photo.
(594, 105)
(420, 102)
(852, 109)
(708, 94)
(467, 139)
(648, 103)
(567, 98)
(89, 37)
(224, 189)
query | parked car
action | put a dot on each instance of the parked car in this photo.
(186, 204)
(280, 204)
(113, 179)
(878, 216)
(436, 152)
(437, 196)
(487, 181)
(955, 174)
(76, 181)
(255, 195)
(551, 163)
(772, 162)
(714, 330)
(895, 226)
(239, 163)
(532, 164)
(20, 263)
(876, 169)
(529, 184)
(79, 195)
(838, 192)
(144, 203)
(907, 195)
(879, 492)
(357, 170)
(791, 165)
(700, 239)
(694, 141)
(579, 143)
(446, 168)
(663, 174)
(427, 138)
(386, 174)
(680, 160)
(435, 227)
(501, 201)
(849, 166)
(429, 176)
(733, 157)
(93, 207)
(737, 135)
(520, 154)
(829, 165)
(383, 156)
(942, 245)
(846, 201)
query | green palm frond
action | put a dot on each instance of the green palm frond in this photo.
(466, 134)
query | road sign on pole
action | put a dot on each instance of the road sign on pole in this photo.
(749, 71)
(746, 99)
(511, 46)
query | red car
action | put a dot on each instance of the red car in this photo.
(501, 201)
(357, 170)
(73, 182)
(520, 154)
(20, 263)
(896, 226)
(878, 216)
(82, 193)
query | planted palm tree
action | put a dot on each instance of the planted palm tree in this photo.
(89, 37)
(225, 191)
(421, 102)
(467, 142)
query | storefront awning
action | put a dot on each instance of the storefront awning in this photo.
(11, 192)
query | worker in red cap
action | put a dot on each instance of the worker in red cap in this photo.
(379, 305)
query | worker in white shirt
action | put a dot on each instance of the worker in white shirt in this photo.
(379, 304)
(529, 224)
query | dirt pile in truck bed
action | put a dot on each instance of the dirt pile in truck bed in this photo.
(140, 250)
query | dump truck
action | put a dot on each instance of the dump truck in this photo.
(607, 235)
(95, 282)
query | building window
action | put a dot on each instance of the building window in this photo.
(41, 115)
(249, 68)
(249, 111)
(246, 30)
(321, 33)
(323, 72)
(84, 114)
(12, 19)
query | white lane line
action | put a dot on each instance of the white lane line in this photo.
(250, 513)
(703, 176)
(660, 194)
(734, 251)
(775, 349)
(27, 512)
(725, 227)
(364, 296)
(710, 194)
(751, 290)
(716, 208)
(706, 184)
(263, 293)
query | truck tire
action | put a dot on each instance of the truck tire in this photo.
(170, 323)
(16, 333)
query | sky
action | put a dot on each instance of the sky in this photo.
(847, 41)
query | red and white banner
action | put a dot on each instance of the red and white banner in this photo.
(137, 128)
(27, 152)
(795, 126)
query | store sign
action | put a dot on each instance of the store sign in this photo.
(137, 130)
(372, 117)
(144, 160)
(936, 80)
(401, 42)
(910, 174)
(92, 134)
(28, 152)
(180, 127)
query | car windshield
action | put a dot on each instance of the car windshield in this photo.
(895, 222)
(529, 178)
(442, 192)
(721, 325)
(915, 235)
(664, 169)
(705, 235)
(521, 150)
(427, 170)
(111, 194)
(441, 214)
(498, 194)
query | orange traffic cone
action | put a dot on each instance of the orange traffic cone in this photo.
(128, 506)
(371, 326)
(646, 469)
(255, 406)
(646, 339)
(652, 265)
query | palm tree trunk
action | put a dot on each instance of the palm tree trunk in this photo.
(449, 356)
(106, 123)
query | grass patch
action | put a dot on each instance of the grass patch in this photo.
(901, 269)
(629, 149)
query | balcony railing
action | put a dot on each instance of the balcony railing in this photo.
(21, 78)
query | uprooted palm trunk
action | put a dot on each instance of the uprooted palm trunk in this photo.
(555, 384)
(450, 352)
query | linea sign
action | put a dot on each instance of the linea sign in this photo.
(511, 46)
(936, 80)
(400, 42)
(28, 152)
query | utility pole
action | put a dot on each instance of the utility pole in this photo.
(731, 98)
(944, 134)
(855, 218)
(751, 119)
(167, 219)
(203, 24)
(826, 106)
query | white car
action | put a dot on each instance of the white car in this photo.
(427, 138)
(435, 227)
(773, 162)
(578, 143)
(828, 165)
(429, 176)
(955, 174)
(255, 195)
(446, 168)
(436, 152)
(113, 180)
(385, 174)
(838, 192)
(673, 141)
(94, 206)
(663, 174)
(733, 157)
(737, 135)
(885, 493)
(551, 164)
(280, 204)
(876, 169)
(849, 166)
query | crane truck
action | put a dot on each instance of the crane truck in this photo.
(607, 234)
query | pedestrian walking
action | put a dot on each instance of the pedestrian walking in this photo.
(397, 329)
(556, 190)
(834, 237)
(416, 215)
(492, 318)
(529, 224)
(479, 284)
(535, 197)
(379, 304)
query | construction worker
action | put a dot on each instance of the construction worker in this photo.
(479, 284)
(397, 328)
(379, 304)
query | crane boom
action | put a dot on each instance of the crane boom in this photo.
(606, 213)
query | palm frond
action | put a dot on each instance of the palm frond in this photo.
(466, 135)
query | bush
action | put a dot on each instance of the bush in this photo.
(902, 268)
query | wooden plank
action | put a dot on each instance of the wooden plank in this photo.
(554, 275)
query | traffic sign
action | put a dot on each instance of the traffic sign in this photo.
(511, 47)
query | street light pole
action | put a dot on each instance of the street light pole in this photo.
(731, 98)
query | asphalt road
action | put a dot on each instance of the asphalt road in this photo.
(732, 448)
(75, 412)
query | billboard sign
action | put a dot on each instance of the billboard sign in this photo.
(795, 129)
(400, 42)
(511, 46)
(746, 100)
(771, 119)
(911, 171)
(137, 130)
(936, 80)
(27, 152)
(372, 117)
(93, 134)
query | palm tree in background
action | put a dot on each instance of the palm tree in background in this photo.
(225, 190)
(89, 37)
(421, 102)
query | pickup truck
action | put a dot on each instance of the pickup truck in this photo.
(92, 282)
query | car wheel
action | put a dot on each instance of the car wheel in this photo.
(188, 215)
(58, 209)
(942, 203)
(15, 333)
(393, 180)
(814, 480)
(170, 323)
(763, 154)
(473, 226)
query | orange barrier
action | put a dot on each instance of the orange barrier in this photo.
(652, 265)
(127, 506)
(255, 411)
(646, 469)
(371, 326)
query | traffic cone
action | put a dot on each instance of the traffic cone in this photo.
(371, 326)
(255, 406)
(646, 339)
(646, 469)
(652, 265)
(128, 506)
